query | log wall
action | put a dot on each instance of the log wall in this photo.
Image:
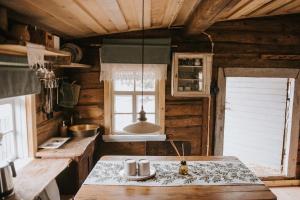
(186, 118)
(47, 128)
(240, 43)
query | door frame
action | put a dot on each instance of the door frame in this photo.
(259, 72)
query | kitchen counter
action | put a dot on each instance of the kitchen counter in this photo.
(74, 149)
(81, 153)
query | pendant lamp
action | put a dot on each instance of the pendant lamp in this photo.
(142, 126)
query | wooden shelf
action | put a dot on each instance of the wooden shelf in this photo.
(190, 66)
(21, 50)
(75, 66)
(189, 79)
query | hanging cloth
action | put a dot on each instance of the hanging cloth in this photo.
(157, 51)
(120, 59)
(18, 81)
(35, 55)
(125, 72)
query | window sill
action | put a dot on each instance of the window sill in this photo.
(21, 163)
(134, 138)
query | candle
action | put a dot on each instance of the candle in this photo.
(144, 167)
(130, 167)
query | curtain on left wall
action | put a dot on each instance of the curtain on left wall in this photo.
(15, 81)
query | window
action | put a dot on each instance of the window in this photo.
(261, 103)
(126, 101)
(13, 129)
(123, 99)
(247, 130)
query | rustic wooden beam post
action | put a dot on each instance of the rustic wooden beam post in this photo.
(207, 14)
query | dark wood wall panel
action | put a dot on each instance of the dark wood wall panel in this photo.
(122, 148)
(182, 114)
(47, 128)
(240, 43)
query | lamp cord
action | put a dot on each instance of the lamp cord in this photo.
(211, 41)
(143, 49)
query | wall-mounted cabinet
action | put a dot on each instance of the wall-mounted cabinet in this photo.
(191, 74)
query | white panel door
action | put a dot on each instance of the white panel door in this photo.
(255, 120)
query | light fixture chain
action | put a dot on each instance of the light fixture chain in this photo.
(143, 49)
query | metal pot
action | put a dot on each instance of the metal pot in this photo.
(7, 171)
(84, 130)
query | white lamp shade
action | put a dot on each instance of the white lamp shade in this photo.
(142, 127)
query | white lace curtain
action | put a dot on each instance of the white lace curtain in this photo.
(125, 72)
(35, 54)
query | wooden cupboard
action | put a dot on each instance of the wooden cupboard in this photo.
(191, 74)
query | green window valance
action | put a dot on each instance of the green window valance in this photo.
(157, 51)
(15, 81)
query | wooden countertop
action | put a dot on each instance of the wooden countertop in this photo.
(34, 177)
(211, 192)
(73, 149)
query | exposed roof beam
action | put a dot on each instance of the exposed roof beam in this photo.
(206, 14)
(171, 12)
(138, 4)
(113, 10)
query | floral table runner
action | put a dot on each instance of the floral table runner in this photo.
(200, 173)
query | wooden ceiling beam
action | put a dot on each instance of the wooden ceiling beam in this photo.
(114, 12)
(138, 5)
(206, 14)
(56, 12)
(247, 9)
(269, 7)
(239, 5)
(147, 13)
(171, 12)
(28, 20)
(185, 11)
(81, 15)
(37, 17)
(129, 9)
(98, 13)
(286, 9)
(98, 26)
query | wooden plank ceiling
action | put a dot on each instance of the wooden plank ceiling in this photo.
(83, 18)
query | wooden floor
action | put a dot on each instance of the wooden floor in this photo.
(286, 193)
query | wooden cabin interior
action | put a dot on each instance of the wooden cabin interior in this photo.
(149, 99)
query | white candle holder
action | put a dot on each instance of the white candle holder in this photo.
(144, 167)
(130, 167)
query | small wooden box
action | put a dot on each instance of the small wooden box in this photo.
(42, 37)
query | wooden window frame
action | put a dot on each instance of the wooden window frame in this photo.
(108, 103)
(134, 95)
(259, 72)
(30, 104)
(30, 113)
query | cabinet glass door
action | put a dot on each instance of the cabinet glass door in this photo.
(190, 75)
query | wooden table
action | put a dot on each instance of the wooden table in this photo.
(212, 192)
